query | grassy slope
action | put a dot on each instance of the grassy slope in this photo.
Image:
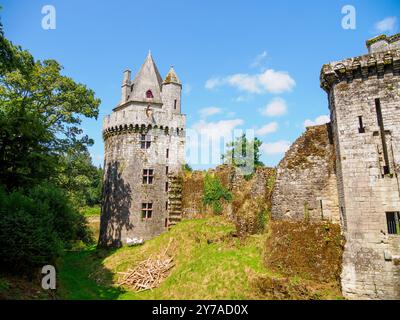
(209, 264)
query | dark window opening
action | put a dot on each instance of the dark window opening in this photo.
(148, 175)
(145, 141)
(361, 128)
(167, 153)
(386, 168)
(147, 210)
(149, 94)
(166, 187)
(166, 223)
(322, 209)
(175, 104)
(166, 205)
(166, 170)
(393, 222)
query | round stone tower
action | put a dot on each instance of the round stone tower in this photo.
(144, 141)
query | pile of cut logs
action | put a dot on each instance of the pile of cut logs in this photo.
(148, 274)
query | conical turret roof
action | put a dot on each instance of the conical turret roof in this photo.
(148, 78)
(172, 77)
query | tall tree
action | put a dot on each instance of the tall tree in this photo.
(40, 115)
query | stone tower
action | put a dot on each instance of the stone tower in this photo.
(144, 141)
(364, 103)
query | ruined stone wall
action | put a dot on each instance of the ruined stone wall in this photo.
(368, 181)
(259, 186)
(305, 186)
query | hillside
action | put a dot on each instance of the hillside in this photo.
(210, 263)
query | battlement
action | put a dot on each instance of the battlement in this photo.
(383, 43)
(376, 64)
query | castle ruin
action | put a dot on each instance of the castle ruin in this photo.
(144, 141)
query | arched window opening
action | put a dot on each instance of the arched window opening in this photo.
(149, 94)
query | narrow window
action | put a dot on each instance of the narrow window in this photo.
(147, 210)
(166, 205)
(145, 141)
(393, 222)
(166, 187)
(148, 175)
(175, 104)
(386, 168)
(167, 153)
(166, 170)
(166, 223)
(322, 209)
(149, 94)
(361, 128)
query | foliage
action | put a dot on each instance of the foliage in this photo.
(214, 192)
(244, 153)
(40, 114)
(35, 227)
(80, 178)
(187, 168)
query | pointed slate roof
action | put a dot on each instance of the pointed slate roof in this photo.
(148, 78)
(172, 77)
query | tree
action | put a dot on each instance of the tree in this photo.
(80, 178)
(243, 153)
(40, 114)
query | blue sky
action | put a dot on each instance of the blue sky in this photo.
(243, 64)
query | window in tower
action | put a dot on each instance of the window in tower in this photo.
(145, 141)
(167, 153)
(149, 94)
(175, 104)
(361, 128)
(166, 187)
(147, 210)
(166, 170)
(393, 222)
(148, 176)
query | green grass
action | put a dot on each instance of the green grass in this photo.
(91, 211)
(209, 264)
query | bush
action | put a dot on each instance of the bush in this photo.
(36, 226)
(214, 192)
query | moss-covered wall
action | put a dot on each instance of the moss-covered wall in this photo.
(306, 186)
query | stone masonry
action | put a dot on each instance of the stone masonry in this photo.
(364, 104)
(144, 148)
(305, 186)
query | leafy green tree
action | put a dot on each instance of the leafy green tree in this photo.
(40, 115)
(80, 178)
(243, 153)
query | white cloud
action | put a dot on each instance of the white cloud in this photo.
(209, 111)
(206, 141)
(216, 130)
(276, 81)
(213, 83)
(268, 81)
(276, 107)
(268, 128)
(258, 59)
(318, 120)
(388, 24)
(277, 147)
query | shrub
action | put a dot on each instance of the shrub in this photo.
(35, 227)
(214, 192)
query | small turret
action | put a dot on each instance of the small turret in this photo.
(126, 86)
(171, 90)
